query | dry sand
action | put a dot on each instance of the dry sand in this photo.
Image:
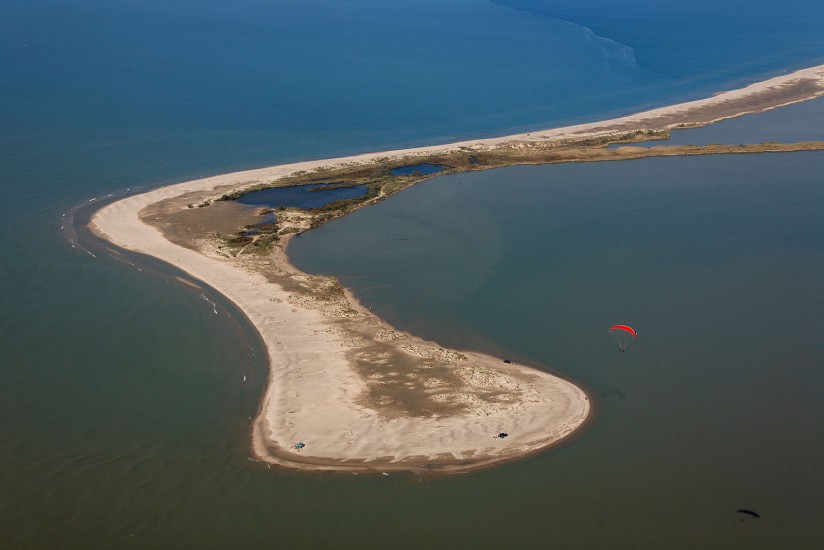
(327, 370)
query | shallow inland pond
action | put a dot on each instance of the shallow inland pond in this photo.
(302, 196)
(422, 169)
(716, 261)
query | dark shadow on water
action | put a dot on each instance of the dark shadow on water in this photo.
(614, 393)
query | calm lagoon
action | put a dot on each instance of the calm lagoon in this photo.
(717, 262)
(800, 122)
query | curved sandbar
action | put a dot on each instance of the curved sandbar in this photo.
(359, 394)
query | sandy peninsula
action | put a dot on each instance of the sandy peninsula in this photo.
(359, 394)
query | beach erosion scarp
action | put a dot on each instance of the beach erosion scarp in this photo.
(358, 394)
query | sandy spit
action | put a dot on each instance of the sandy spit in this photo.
(314, 394)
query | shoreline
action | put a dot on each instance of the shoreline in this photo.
(320, 388)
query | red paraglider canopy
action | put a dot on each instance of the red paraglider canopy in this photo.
(624, 328)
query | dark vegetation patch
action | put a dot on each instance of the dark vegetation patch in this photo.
(256, 238)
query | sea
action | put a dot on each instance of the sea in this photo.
(126, 396)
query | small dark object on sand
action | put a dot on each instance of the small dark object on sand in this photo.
(503, 435)
(507, 361)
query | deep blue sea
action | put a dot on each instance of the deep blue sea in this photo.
(125, 415)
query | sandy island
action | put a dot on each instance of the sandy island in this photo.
(361, 395)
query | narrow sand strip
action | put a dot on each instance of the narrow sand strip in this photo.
(316, 396)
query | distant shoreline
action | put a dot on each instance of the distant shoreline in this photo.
(361, 395)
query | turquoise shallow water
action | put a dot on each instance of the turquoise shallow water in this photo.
(125, 411)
